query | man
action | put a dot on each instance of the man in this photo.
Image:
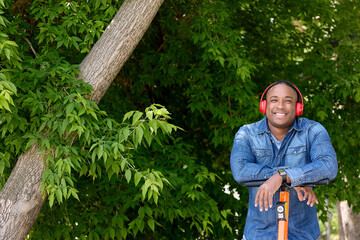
(282, 147)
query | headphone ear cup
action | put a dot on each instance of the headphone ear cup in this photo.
(262, 107)
(299, 109)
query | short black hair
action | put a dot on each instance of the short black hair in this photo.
(287, 84)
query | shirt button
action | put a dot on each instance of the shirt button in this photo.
(278, 155)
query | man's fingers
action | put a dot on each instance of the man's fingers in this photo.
(257, 198)
(299, 193)
(306, 193)
(310, 195)
(266, 202)
(266, 191)
(310, 200)
(270, 200)
(261, 200)
(316, 200)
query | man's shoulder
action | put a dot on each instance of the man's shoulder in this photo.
(307, 124)
(253, 128)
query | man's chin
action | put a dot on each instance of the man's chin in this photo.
(281, 123)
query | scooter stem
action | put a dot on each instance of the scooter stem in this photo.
(282, 210)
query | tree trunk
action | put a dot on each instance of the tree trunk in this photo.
(341, 229)
(21, 198)
(109, 54)
(328, 222)
(349, 222)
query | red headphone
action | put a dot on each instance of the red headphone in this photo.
(299, 105)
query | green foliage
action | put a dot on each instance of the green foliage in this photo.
(114, 172)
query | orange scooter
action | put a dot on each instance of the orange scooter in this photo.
(282, 207)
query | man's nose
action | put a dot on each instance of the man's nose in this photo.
(281, 104)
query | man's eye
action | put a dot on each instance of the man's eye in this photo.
(288, 101)
(273, 100)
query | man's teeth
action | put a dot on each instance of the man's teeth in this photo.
(280, 114)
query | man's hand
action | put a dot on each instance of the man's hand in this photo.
(264, 196)
(308, 193)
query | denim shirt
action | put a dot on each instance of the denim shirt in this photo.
(306, 154)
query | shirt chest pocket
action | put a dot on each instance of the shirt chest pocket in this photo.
(263, 156)
(295, 156)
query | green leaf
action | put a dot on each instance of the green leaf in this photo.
(151, 224)
(109, 124)
(148, 211)
(4, 104)
(128, 175)
(137, 178)
(97, 4)
(139, 134)
(2, 166)
(115, 168)
(357, 95)
(112, 233)
(128, 115)
(141, 212)
(153, 126)
(10, 86)
(123, 164)
(322, 115)
(59, 195)
(51, 199)
(155, 197)
(8, 53)
(150, 114)
(74, 194)
(100, 151)
(136, 117)
(69, 108)
(145, 188)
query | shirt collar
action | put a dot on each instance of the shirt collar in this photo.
(263, 126)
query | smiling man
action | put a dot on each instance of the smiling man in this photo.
(282, 147)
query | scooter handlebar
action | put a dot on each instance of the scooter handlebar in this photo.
(258, 183)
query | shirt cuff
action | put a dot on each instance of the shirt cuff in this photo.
(296, 176)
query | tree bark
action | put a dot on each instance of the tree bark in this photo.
(21, 199)
(349, 224)
(341, 229)
(328, 222)
(109, 54)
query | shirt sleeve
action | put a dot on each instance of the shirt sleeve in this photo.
(323, 159)
(243, 163)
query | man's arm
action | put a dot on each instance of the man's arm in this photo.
(242, 161)
(323, 159)
(264, 196)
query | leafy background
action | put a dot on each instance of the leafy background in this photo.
(207, 62)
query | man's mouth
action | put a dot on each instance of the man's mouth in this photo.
(279, 114)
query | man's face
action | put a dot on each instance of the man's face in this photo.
(281, 106)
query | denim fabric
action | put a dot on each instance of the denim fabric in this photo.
(307, 155)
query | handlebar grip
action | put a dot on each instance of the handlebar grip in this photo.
(254, 183)
(321, 182)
